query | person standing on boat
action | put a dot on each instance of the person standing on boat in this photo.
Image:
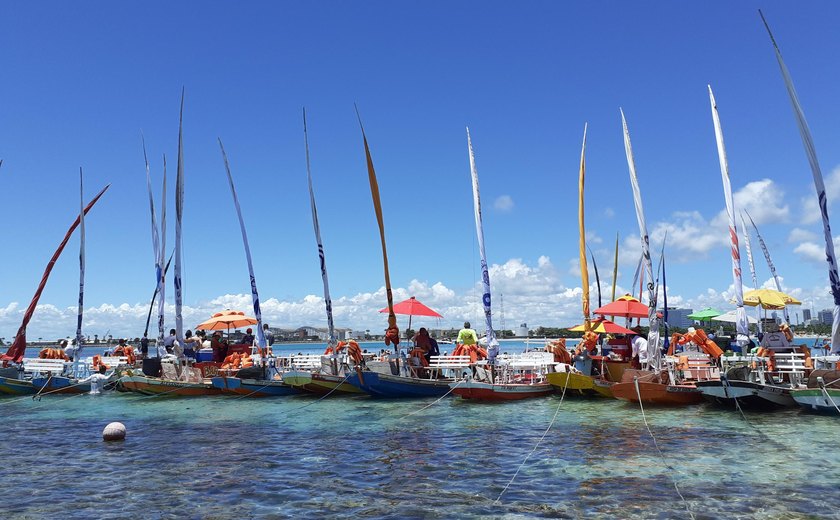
(190, 344)
(169, 341)
(467, 336)
(248, 338)
(269, 337)
(219, 348)
(640, 348)
(144, 346)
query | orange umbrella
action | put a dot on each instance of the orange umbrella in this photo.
(227, 320)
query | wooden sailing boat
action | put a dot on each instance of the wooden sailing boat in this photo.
(170, 378)
(399, 381)
(518, 378)
(330, 379)
(569, 378)
(264, 380)
(821, 392)
(14, 378)
(658, 384)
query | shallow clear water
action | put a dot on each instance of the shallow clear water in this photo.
(222, 457)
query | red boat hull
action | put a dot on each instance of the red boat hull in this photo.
(658, 393)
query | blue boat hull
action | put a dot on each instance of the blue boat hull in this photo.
(253, 387)
(385, 385)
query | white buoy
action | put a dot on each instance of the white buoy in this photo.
(115, 431)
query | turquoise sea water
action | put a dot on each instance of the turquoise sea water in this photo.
(223, 457)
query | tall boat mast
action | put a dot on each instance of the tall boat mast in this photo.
(179, 214)
(162, 275)
(392, 335)
(155, 237)
(584, 269)
(615, 269)
(653, 334)
(770, 263)
(748, 247)
(18, 348)
(741, 325)
(81, 265)
(255, 297)
(819, 185)
(492, 343)
(327, 300)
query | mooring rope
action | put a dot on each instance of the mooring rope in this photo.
(537, 445)
(439, 399)
(828, 396)
(726, 385)
(662, 455)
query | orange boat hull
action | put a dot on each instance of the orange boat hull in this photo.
(657, 393)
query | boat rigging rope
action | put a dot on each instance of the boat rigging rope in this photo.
(726, 385)
(434, 402)
(661, 455)
(49, 378)
(336, 387)
(537, 445)
(828, 396)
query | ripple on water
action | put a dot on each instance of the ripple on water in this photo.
(239, 458)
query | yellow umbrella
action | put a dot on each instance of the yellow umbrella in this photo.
(769, 299)
(226, 320)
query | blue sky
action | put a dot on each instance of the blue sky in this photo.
(81, 81)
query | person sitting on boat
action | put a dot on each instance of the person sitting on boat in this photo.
(248, 338)
(169, 341)
(219, 347)
(640, 348)
(191, 345)
(467, 336)
(423, 341)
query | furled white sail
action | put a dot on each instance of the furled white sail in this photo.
(654, 353)
(492, 344)
(155, 237)
(179, 215)
(161, 257)
(748, 247)
(770, 264)
(819, 185)
(741, 325)
(327, 300)
(255, 297)
(79, 342)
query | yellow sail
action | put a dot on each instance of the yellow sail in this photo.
(377, 206)
(584, 270)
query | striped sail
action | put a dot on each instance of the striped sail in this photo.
(819, 185)
(748, 247)
(255, 297)
(179, 243)
(155, 236)
(79, 342)
(162, 275)
(770, 263)
(584, 269)
(492, 344)
(317, 228)
(653, 334)
(741, 325)
(377, 207)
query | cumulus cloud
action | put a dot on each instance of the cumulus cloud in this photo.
(801, 235)
(503, 203)
(810, 207)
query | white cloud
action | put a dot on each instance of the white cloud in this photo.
(503, 203)
(801, 235)
(764, 200)
(810, 207)
(810, 251)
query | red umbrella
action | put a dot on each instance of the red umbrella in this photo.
(412, 307)
(605, 326)
(625, 307)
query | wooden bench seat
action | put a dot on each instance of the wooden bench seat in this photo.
(43, 366)
(305, 361)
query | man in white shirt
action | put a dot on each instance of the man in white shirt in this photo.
(97, 381)
(169, 341)
(640, 347)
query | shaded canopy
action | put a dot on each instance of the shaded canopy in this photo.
(227, 320)
(603, 325)
(769, 299)
(625, 307)
(704, 315)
